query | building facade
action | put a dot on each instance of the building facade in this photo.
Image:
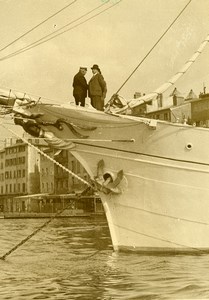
(2, 175)
(21, 171)
(32, 182)
(64, 181)
(47, 180)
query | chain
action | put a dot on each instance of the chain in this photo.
(57, 214)
(40, 228)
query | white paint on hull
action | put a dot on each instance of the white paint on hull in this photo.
(166, 204)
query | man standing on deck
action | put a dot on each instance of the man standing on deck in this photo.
(97, 88)
(80, 87)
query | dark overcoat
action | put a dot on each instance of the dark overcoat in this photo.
(80, 85)
(97, 86)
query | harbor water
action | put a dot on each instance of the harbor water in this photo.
(72, 258)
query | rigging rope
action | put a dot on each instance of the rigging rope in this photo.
(134, 102)
(41, 23)
(48, 157)
(39, 229)
(44, 39)
(30, 94)
(169, 27)
(89, 186)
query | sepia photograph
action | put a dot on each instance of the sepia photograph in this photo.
(104, 149)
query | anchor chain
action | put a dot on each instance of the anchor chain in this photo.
(89, 186)
(3, 257)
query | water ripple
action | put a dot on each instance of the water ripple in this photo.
(73, 259)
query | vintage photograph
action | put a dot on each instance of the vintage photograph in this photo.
(104, 149)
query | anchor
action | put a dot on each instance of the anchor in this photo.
(108, 183)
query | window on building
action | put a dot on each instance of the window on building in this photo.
(78, 167)
(23, 173)
(23, 187)
(64, 153)
(165, 116)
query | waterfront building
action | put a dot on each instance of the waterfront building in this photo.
(200, 110)
(47, 179)
(65, 182)
(31, 183)
(2, 172)
(21, 172)
(191, 109)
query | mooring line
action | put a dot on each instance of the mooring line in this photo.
(48, 157)
(40, 228)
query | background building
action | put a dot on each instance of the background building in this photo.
(30, 182)
(21, 172)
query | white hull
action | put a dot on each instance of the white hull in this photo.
(163, 209)
(165, 204)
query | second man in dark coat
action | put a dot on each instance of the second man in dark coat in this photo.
(97, 88)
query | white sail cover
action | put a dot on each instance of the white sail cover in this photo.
(135, 102)
(9, 94)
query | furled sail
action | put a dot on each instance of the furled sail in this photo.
(16, 102)
(135, 102)
(8, 97)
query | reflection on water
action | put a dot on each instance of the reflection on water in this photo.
(73, 259)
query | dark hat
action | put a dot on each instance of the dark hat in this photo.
(96, 67)
(83, 68)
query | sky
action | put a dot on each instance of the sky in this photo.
(117, 40)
